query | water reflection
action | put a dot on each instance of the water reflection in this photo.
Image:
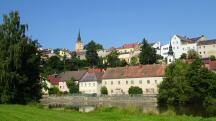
(195, 110)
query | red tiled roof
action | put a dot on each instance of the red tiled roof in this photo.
(54, 80)
(77, 75)
(156, 70)
(134, 45)
(212, 65)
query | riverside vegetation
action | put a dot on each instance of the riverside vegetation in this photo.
(39, 113)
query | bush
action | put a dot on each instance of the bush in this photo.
(135, 90)
(104, 90)
(54, 90)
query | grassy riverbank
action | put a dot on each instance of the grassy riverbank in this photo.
(33, 113)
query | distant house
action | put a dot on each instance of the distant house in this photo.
(182, 44)
(119, 80)
(68, 75)
(211, 65)
(207, 48)
(54, 79)
(91, 82)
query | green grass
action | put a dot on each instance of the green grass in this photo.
(34, 113)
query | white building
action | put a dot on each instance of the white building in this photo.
(182, 45)
(164, 50)
(119, 80)
(91, 82)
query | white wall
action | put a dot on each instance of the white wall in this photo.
(90, 87)
(179, 48)
(63, 87)
(149, 85)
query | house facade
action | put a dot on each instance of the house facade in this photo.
(68, 75)
(119, 80)
(207, 48)
(91, 82)
(182, 44)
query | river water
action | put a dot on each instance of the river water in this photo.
(190, 110)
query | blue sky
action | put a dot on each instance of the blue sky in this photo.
(55, 23)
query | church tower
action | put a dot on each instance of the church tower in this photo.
(170, 57)
(79, 44)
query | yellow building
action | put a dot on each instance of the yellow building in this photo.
(207, 48)
(64, 53)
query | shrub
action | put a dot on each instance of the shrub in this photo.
(104, 90)
(54, 90)
(135, 90)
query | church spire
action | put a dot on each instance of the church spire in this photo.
(170, 52)
(79, 37)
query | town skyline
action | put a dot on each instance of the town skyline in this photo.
(113, 23)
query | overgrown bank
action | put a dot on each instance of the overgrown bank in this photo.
(26, 113)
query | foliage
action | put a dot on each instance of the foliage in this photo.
(134, 61)
(212, 58)
(72, 86)
(113, 60)
(183, 56)
(19, 63)
(187, 83)
(192, 54)
(91, 53)
(53, 65)
(175, 88)
(148, 53)
(135, 90)
(54, 90)
(104, 90)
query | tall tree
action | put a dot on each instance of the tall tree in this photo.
(19, 63)
(148, 53)
(72, 86)
(113, 60)
(192, 54)
(91, 53)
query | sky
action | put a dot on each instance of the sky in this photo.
(112, 23)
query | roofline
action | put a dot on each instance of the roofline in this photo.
(134, 77)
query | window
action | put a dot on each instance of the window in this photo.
(93, 84)
(155, 81)
(126, 82)
(140, 81)
(204, 52)
(81, 84)
(85, 84)
(119, 82)
(105, 82)
(200, 52)
(89, 84)
(204, 46)
(147, 90)
(111, 91)
(213, 45)
(177, 47)
(169, 61)
(111, 82)
(132, 82)
(182, 48)
(148, 81)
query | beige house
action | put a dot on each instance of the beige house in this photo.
(119, 80)
(91, 82)
(207, 48)
(68, 75)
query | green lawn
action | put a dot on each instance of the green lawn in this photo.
(31, 113)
